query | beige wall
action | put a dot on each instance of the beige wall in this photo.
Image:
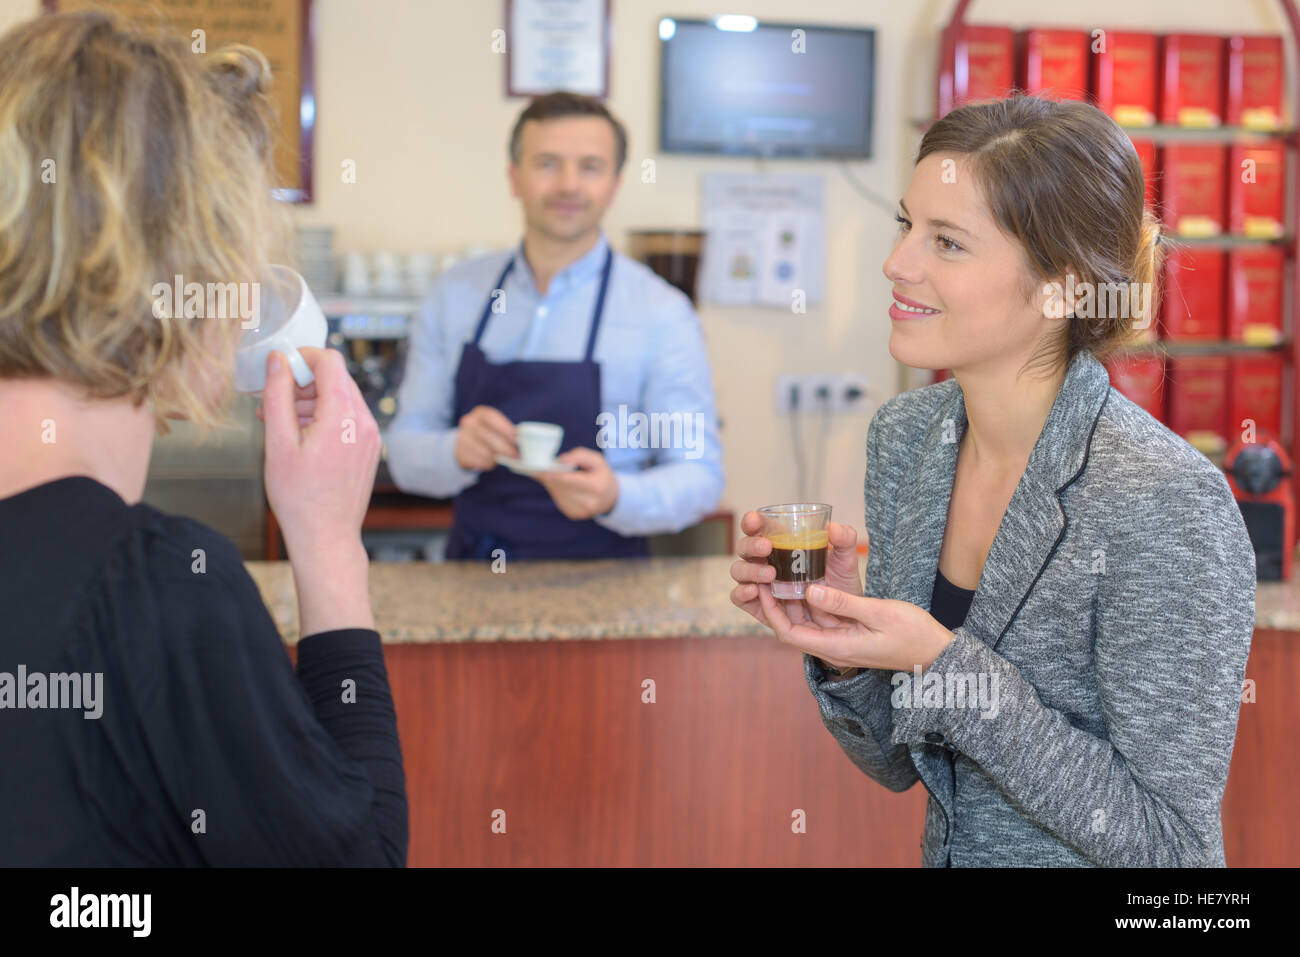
(410, 90)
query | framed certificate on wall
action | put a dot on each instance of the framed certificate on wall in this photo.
(558, 45)
(284, 30)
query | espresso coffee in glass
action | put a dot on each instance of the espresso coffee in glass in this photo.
(799, 546)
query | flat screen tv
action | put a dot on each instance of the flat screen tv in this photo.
(735, 85)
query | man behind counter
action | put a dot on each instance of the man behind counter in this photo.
(561, 329)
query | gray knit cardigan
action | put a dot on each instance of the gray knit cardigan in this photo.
(1084, 714)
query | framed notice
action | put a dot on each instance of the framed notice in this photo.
(284, 30)
(558, 45)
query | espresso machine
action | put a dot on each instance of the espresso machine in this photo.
(373, 336)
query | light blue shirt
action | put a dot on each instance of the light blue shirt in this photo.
(658, 425)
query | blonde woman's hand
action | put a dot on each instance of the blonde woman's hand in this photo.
(319, 475)
(304, 403)
(753, 572)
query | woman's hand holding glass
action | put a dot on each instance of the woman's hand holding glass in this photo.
(753, 569)
(835, 622)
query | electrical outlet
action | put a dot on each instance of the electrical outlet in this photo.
(782, 392)
(850, 393)
(819, 391)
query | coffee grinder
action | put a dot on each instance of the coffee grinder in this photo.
(672, 254)
(1259, 474)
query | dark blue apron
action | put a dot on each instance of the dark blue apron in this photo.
(514, 512)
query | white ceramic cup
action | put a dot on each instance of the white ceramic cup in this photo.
(389, 282)
(289, 317)
(356, 275)
(538, 442)
(419, 272)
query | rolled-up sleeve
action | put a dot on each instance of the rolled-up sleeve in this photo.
(1174, 617)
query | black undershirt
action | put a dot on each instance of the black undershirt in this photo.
(948, 603)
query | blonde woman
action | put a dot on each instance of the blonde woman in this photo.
(151, 716)
(1059, 592)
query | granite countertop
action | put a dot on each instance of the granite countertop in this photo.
(1277, 605)
(620, 598)
(467, 601)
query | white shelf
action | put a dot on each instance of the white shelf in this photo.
(341, 305)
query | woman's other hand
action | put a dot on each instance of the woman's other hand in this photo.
(851, 631)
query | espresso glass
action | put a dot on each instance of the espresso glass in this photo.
(799, 546)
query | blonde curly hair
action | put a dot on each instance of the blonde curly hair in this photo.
(127, 160)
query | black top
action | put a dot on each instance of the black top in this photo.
(948, 603)
(208, 749)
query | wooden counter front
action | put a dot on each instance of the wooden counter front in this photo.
(556, 735)
(555, 732)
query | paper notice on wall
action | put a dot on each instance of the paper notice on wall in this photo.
(734, 245)
(766, 239)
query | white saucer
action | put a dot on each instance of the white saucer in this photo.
(520, 467)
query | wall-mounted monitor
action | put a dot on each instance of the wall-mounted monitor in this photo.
(736, 85)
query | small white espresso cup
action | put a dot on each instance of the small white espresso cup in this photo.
(538, 441)
(287, 317)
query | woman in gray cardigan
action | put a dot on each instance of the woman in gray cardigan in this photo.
(1070, 697)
